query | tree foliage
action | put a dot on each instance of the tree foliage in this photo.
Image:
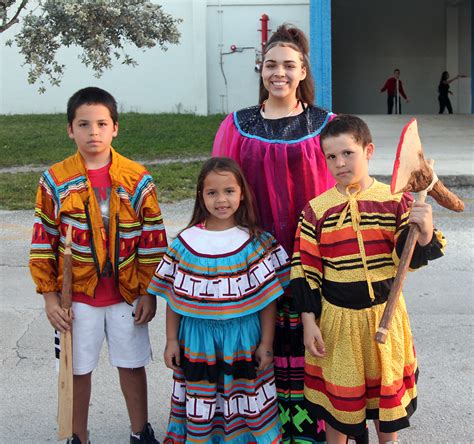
(101, 28)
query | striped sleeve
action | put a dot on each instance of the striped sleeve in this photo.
(153, 244)
(403, 211)
(421, 255)
(45, 238)
(306, 265)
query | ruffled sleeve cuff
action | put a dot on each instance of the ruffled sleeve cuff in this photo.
(162, 282)
(305, 299)
(48, 287)
(281, 264)
(421, 255)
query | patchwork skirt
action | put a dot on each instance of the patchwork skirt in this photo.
(297, 424)
(358, 378)
(218, 396)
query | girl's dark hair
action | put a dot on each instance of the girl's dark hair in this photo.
(91, 96)
(444, 76)
(294, 38)
(347, 124)
(246, 215)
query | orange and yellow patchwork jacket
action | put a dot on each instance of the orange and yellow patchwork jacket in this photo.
(137, 238)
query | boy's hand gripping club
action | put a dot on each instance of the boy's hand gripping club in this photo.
(65, 380)
(412, 172)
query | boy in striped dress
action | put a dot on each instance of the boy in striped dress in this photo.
(118, 239)
(348, 243)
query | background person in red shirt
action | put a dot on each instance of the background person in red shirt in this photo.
(394, 87)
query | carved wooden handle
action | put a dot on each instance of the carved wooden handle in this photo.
(65, 377)
(66, 290)
(395, 291)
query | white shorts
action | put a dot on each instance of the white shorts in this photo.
(128, 344)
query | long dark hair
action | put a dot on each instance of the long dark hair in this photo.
(294, 38)
(444, 77)
(246, 215)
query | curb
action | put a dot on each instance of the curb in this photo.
(451, 180)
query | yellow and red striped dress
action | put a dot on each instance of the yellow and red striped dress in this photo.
(346, 250)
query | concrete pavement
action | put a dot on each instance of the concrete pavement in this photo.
(439, 298)
(448, 139)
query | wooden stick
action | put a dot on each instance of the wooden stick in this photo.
(396, 290)
(65, 380)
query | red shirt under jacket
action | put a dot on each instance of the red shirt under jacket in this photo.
(106, 292)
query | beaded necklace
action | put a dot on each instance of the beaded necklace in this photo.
(262, 110)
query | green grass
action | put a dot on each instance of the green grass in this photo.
(41, 139)
(174, 181)
(18, 190)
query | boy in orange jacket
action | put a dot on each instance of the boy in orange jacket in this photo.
(118, 240)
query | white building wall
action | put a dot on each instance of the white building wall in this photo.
(370, 39)
(171, 81)
(183, 79)
(232, 80)
(465, 54)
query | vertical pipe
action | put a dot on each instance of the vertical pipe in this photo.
(199, 69)
(321, 51)
(264, 19)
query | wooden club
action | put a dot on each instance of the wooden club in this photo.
(65, 380)
(412, 173)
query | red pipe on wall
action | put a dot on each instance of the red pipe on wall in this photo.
(264, 19)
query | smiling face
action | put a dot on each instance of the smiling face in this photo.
(282, 72)
(93, 130)
(348, 161)
(222, 195)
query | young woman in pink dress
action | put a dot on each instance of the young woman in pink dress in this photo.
(276, 143)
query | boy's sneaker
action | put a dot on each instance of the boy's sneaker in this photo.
(75, 440)
(147, 436)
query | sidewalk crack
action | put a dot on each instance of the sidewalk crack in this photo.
(18, 346)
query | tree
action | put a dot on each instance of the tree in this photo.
(102, 28)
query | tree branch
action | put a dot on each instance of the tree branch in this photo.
(14, 19)
(100, 28)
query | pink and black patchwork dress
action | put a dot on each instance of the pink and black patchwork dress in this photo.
(285, 167)
(219, 281)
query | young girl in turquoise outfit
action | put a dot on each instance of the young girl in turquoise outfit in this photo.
(220, 278)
